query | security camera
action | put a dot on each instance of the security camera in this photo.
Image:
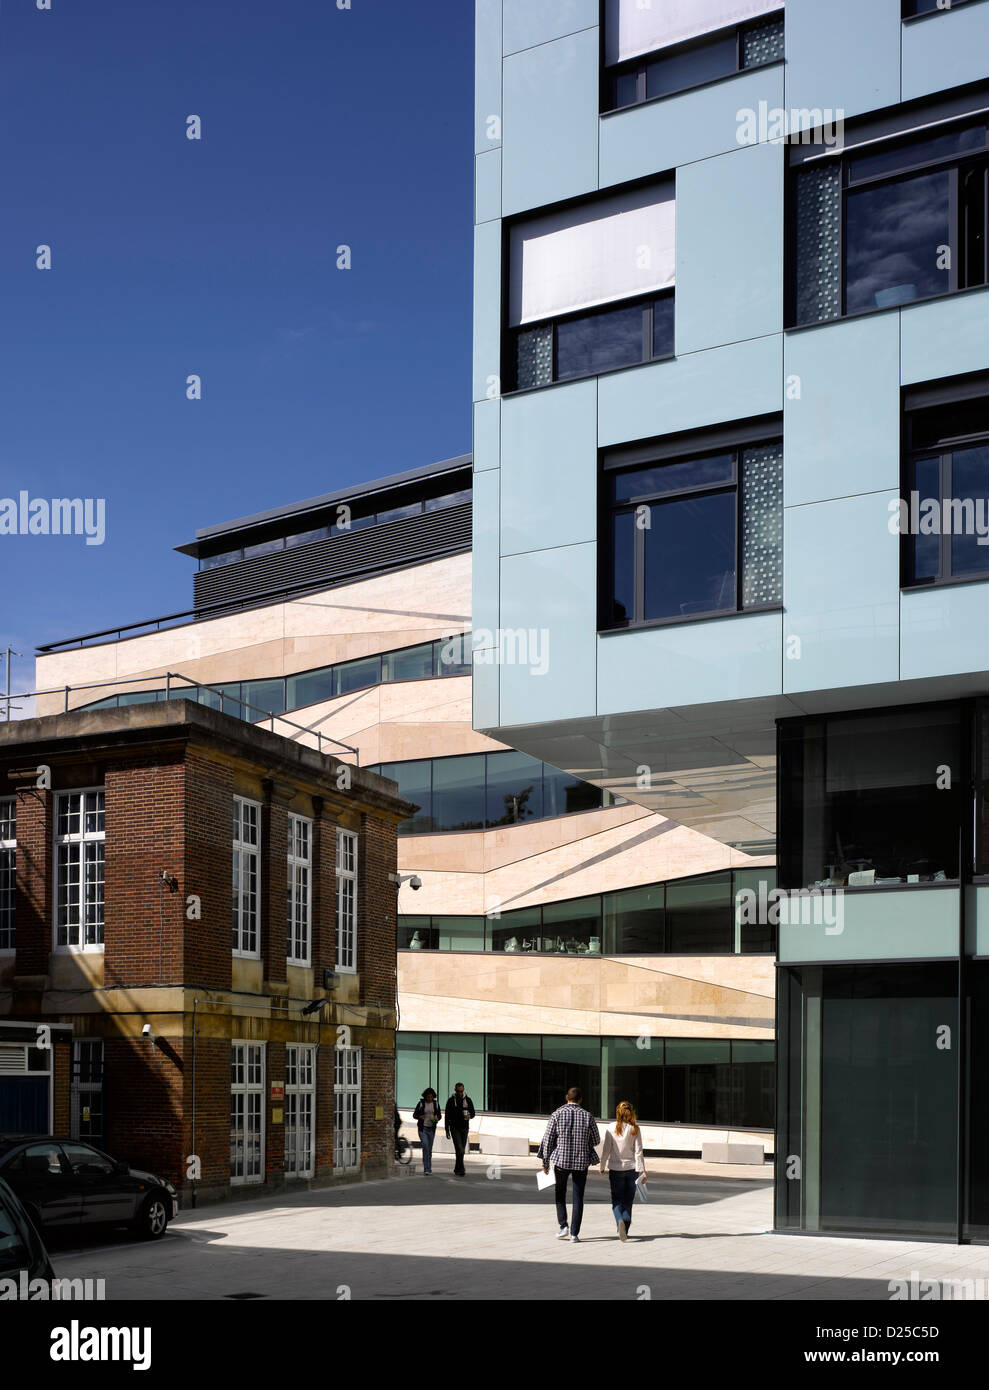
(415, 883)
(146, 1031)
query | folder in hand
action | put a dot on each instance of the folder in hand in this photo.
(640, 1188)
(544, 1179)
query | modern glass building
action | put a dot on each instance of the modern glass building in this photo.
(560, 930)
(731, 462)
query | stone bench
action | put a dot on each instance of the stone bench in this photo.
(733, 1153)
(506, 1145)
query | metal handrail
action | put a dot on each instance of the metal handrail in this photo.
(197, 685)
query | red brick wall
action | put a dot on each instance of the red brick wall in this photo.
(33, 892)
(144, 1103)
(208, 870)
(324, 905)
(377, 912)
(144, 834)
(61, 1083)
(274, 885)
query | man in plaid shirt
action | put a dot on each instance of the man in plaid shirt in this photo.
(568, 1144)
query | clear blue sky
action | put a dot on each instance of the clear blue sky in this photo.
(218, 257)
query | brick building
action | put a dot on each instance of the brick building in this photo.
(208, 906)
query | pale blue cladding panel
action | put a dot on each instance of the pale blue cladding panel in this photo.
(484, 694)
(487, 435)
(842, 410)
(945, 49)
(945, 338)
(550, 132)
(487, 311)
(723, 659)
(531, 22)
(945, 631)
(842, 56)
(841, 589)
(487, 186)
(551, 596)
(485, 557)
(487, 75)
(701, 388)
(729, 276)
(549, 468)
(693, 125)
(869, 926)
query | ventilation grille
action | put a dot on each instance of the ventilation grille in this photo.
(378, 548)
(13, 1059)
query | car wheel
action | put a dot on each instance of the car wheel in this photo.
(153, 1220)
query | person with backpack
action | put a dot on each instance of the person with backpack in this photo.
(458, 1114)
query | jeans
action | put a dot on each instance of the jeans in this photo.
(459, 1137)
(427, 1136)
(579, 1176)
(622, 1194)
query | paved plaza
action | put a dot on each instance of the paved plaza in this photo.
(704, 1234)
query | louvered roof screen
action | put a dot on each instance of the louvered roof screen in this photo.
(607, 250)
(634, 27)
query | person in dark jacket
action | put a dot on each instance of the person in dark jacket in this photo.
(427, 1117)
(458, 1115)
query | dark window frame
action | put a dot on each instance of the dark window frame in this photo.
(694, 447)
(510, 333)
(665, 884)
(639, 66)
(946, 393)
(968, 730)
(486, 826)
(892, 140)
(907, 16)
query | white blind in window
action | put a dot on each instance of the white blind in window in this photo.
(640, 26)
(613, 248)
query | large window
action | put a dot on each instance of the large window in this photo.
(299, 895)
(709, 914)
(945, 505)
(477, 791)
(246, 876)
(246, 1112)
(300, 1111)
(252, 700)
(80, 844)
(870, 799)
(337, 522)
(8, 870)
(891, 223)
(347, 1108)
(678, 1081)
(868, 1098)
(346, 874)
(653, 50)
(591, 287)
(691, 531)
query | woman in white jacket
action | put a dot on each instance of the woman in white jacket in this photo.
(622, 1159)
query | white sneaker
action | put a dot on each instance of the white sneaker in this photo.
(562, 1233)
(575, 1239)
(622, 1233)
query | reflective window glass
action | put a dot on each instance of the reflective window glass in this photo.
(514, 789)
